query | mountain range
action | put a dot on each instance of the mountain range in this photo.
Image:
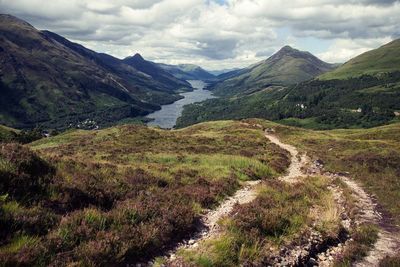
(188, 72)
(46, 79)
(363, 92)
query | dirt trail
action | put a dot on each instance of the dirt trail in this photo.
(209, 222)
(296, 163)
(248, 193)
(388, 243)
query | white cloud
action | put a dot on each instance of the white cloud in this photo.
(343, 50)
(237, 33)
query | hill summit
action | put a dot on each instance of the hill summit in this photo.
(285, 67)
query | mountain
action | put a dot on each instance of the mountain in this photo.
(221, 72)
(352, 96)
(188, 72)
(287, 66)
(381, 60)
(155, 71)
(230, 74)
(46, 79)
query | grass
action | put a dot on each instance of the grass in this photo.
(121, 194)
(390, 262)
(279, 216)
(364, 237)
(372, 157)
(18, 243)
(7, 134)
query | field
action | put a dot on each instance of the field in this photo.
(128, 193)
(123, 194)
(371, 156)
(281, 217)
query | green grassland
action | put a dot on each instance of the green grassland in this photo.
(122, 194)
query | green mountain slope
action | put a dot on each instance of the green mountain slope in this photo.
(46, 79)
(155, 71)
(381, 60)
(360, 101)
(287, 66)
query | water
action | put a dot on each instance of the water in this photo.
(168, 114)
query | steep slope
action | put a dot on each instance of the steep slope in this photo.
(155, 71)
(188, 72)
(287, 66)
(46, 79)
(381, 60)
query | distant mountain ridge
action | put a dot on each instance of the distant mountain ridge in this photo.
(287, 66)
(188, 72)
(46, 79)
(155, 71)
(222, 71)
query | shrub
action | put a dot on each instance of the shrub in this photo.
(23, 174)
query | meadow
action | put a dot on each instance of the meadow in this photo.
(122, 194)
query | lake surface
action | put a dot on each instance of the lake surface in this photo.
(168, 114)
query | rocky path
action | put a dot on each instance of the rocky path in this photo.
(209, 222)
(388, 241)
(248, 193)
(297, 161)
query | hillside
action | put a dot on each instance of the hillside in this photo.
(360, 101)
(287, 66)
(46, 79)
(7, 134)
(121, 195)
(188, 72)
(156, 72)
(381, 60)
(94, 197)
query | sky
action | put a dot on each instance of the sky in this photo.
(216, 34)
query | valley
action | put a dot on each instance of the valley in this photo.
(167, 116)
(147, 159)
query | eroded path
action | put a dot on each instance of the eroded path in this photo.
(297, 162)
(247, 194)
(388, 241)
(209, 222)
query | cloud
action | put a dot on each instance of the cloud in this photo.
(215, 34)
(343, 50)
